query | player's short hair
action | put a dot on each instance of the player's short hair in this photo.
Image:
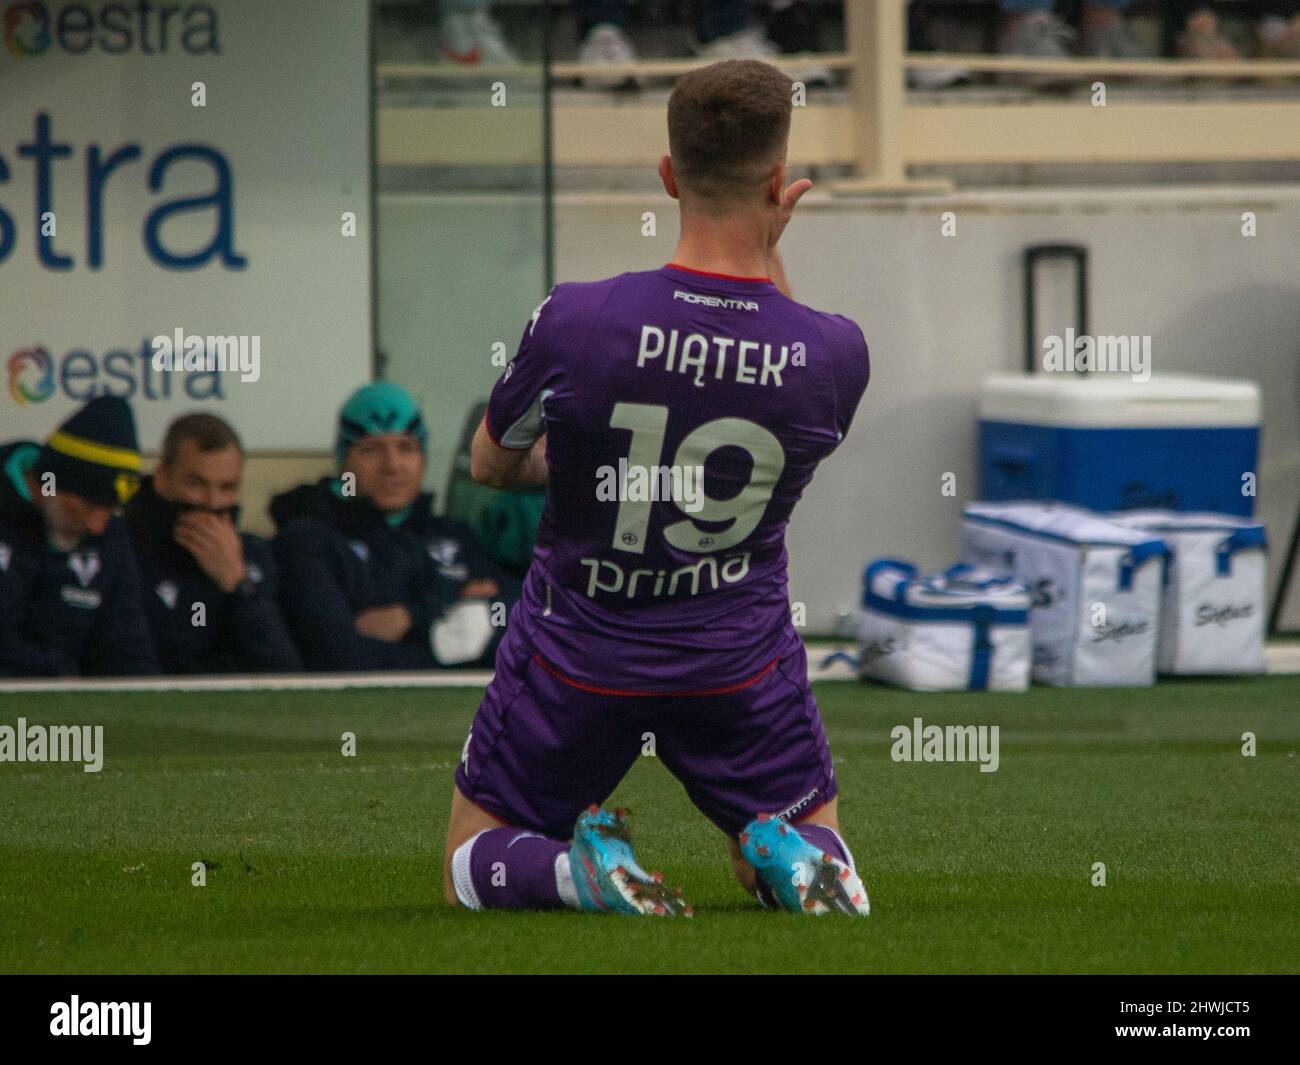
(208, 432)
(727, 125)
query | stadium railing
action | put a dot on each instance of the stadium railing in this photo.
(877, 128)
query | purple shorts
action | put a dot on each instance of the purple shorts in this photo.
(542, 748)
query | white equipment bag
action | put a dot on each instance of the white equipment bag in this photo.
(953, 631)
(1095, 584)
(1212, 620)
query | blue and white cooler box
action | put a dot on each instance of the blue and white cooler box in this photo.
(1107, 442)
(1212, 620)
(957, 630)
(1095, 588)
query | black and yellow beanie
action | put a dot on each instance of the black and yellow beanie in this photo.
(95, 453)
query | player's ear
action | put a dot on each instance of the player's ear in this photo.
(776, 183)
(667, 176)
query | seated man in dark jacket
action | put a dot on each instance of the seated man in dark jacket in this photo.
(210, 590)
(371, 578)
(70, 600)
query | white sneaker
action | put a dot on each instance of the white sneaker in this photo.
(473, 38)
(936, 77)
(607, 45)
(751, 44)
(1039, 35)
(747, 44)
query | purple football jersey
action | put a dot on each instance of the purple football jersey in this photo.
(684, 415)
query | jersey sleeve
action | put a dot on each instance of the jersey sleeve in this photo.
(516, 406)
(851, 365)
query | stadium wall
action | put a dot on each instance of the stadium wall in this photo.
(940, 313)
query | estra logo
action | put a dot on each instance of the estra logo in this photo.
(32, 28)
(27, 29)
(82, 374)
(31, 375)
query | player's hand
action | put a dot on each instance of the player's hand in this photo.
(789, 198)
(387, 623)
(214, 542)
(480, 588)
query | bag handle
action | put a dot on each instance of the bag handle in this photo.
(1241, 540)
(1032, 256)
(906, 570)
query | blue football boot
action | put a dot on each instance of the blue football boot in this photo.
(607, 877)
(803, 878)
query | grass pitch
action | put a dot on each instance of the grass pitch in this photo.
(319, 862)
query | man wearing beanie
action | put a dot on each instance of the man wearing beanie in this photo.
(370, 577)
(210, 591)
(70, 600)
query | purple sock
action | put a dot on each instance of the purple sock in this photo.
(826, 839)
(511, 869)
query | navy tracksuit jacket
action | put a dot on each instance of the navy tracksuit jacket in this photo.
(243, 631)
(339, 556)
(64, 613)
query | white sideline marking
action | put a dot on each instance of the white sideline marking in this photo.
(240, 771)
(469, 678)
(1281, 658)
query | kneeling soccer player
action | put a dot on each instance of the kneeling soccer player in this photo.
(676, 416)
